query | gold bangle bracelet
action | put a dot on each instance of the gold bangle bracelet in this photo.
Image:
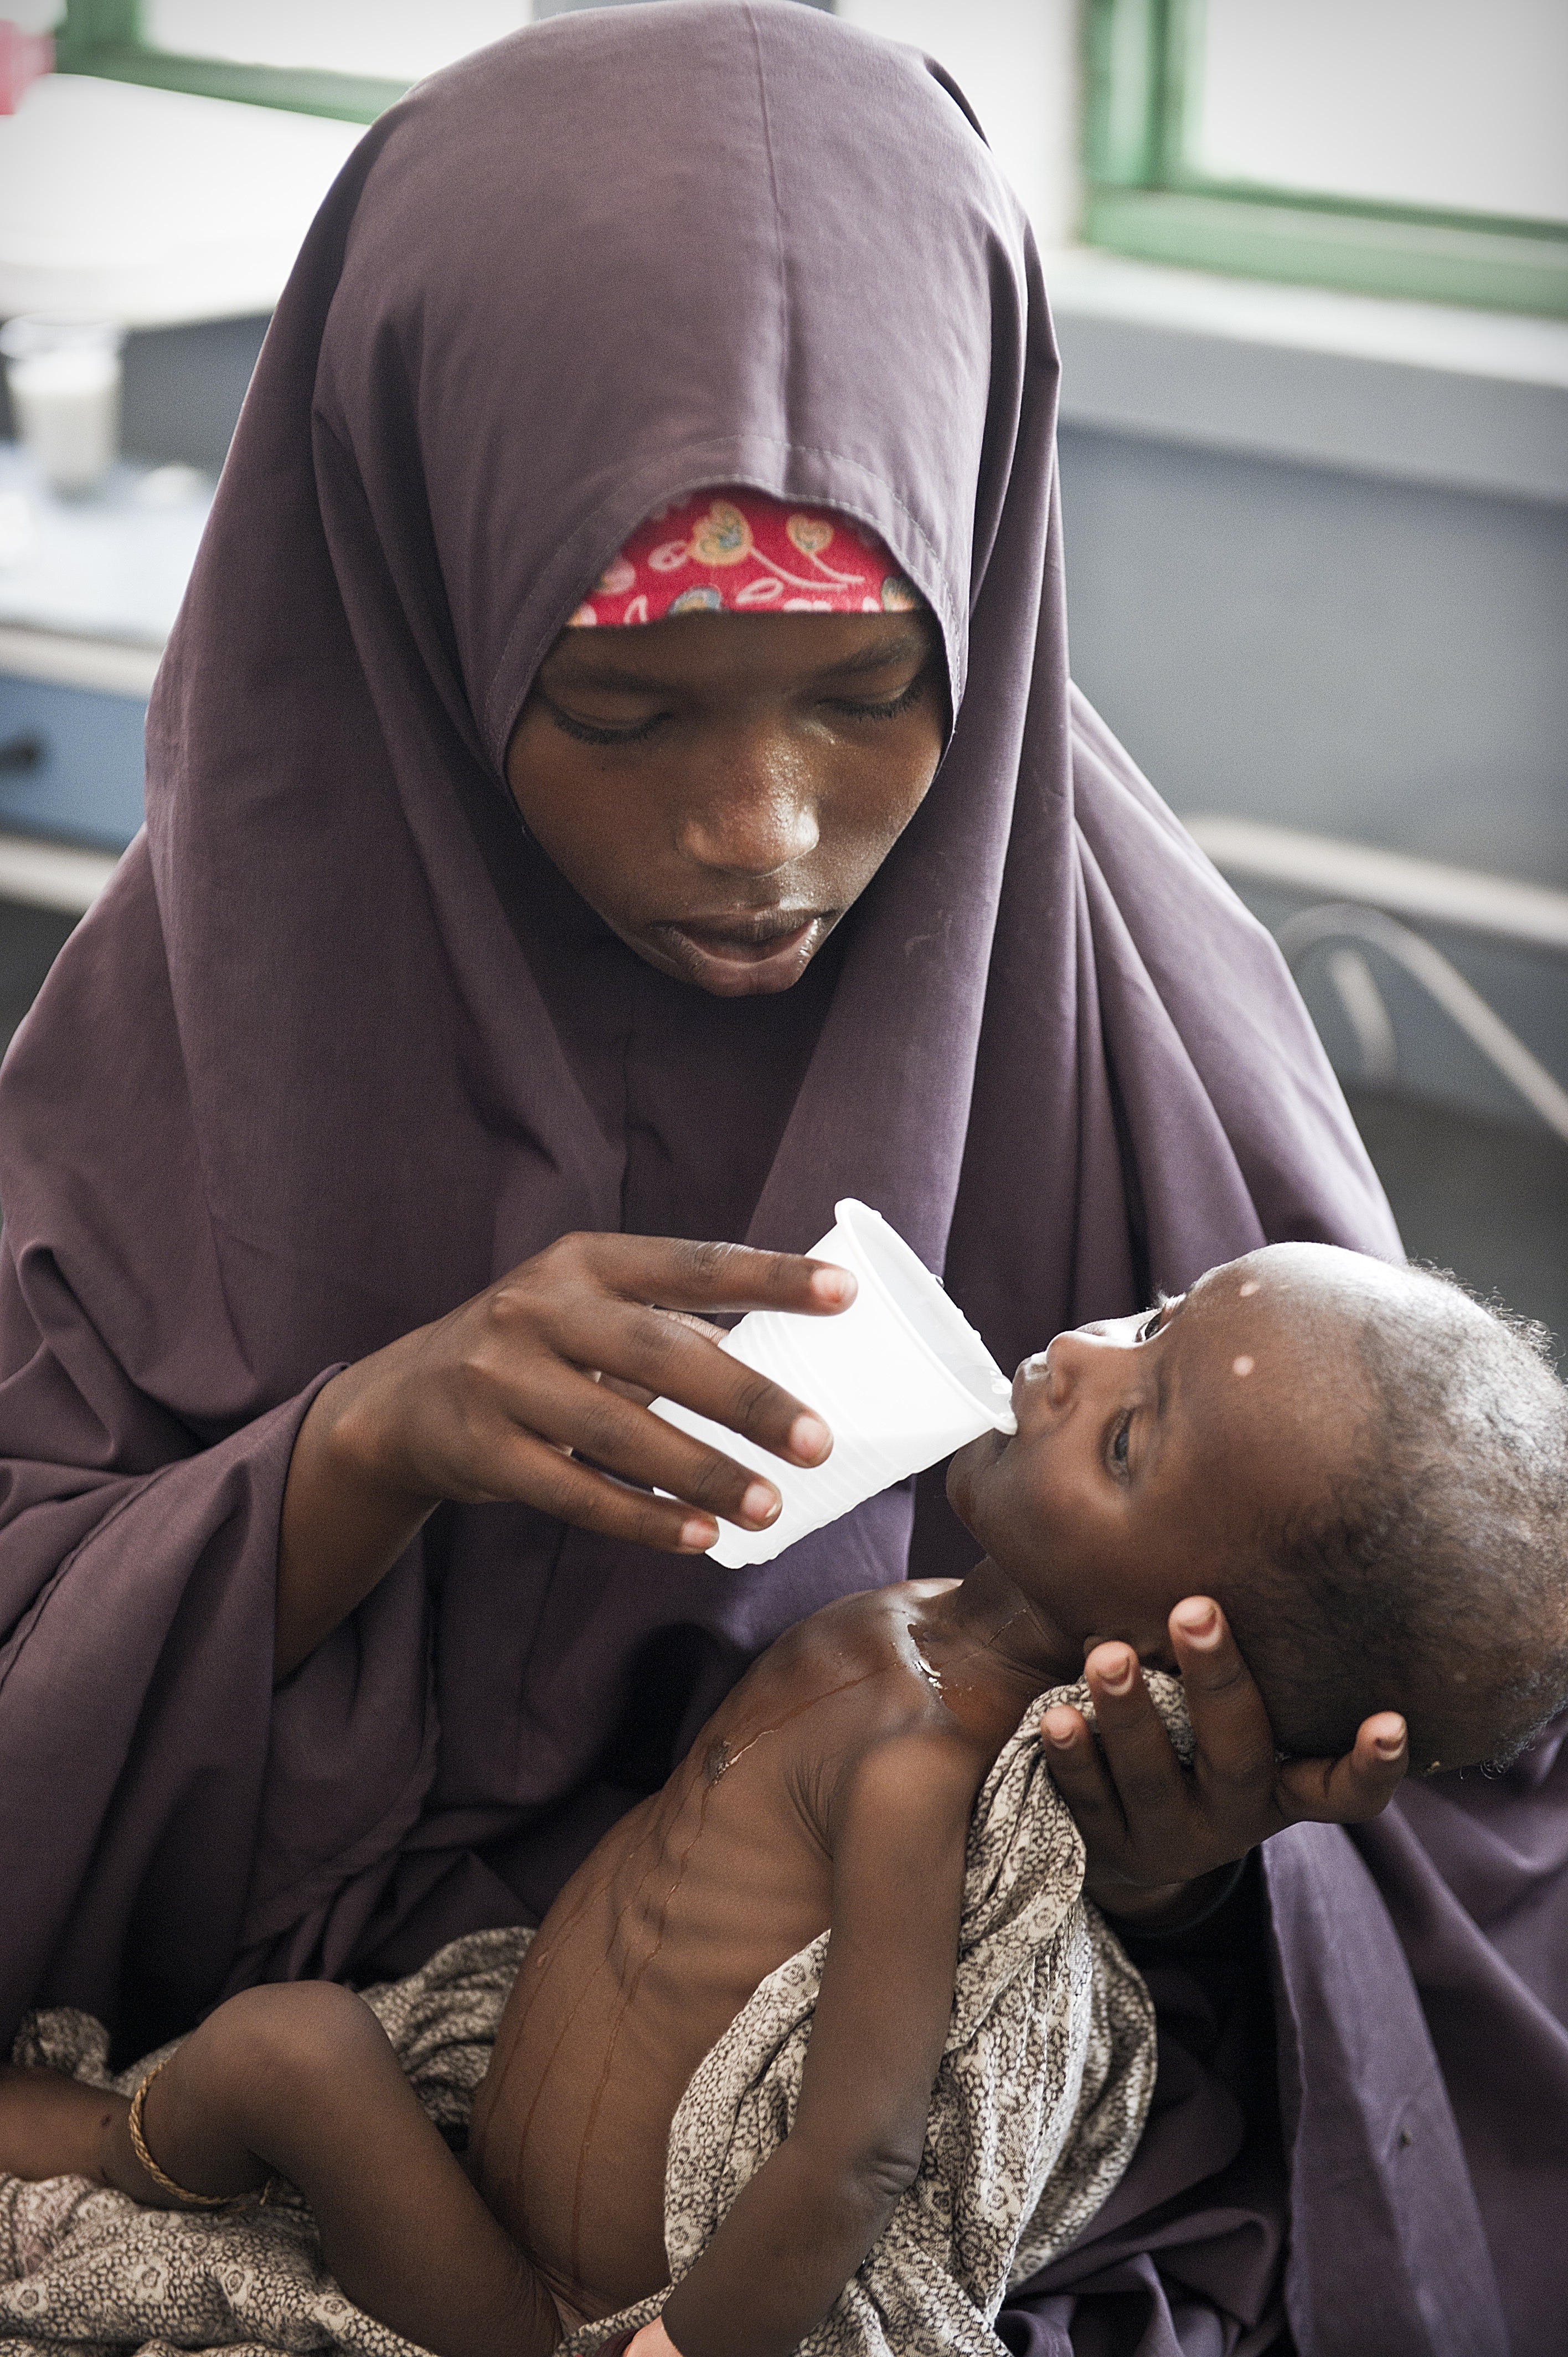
(161, 2176)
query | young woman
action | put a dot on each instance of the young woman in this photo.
(477, 974)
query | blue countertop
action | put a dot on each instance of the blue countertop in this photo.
(110, 566)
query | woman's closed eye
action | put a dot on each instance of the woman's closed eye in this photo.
(852, 708)
(597, 732)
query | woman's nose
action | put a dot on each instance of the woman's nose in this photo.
(760, 816)
(748, 835)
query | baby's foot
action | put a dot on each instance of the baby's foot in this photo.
(54, 2126)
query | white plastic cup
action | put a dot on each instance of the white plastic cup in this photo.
(900, 1377)
(63, 376)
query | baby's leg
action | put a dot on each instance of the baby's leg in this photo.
(301, 2080)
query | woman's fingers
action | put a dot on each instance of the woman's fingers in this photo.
(709, 1276)
(1234, 1760)
(666, 1356)
(1080, 1775)
(615, 1434)
(1347, 1791)
(1168, 1823)
(1158, 1803)
(1129, 1868)
(592, 1501)
(641, 1394)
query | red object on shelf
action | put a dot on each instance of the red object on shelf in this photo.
(24, 58)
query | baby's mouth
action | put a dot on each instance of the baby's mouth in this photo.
(1032, 1372)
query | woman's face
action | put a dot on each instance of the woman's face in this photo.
(722, 787)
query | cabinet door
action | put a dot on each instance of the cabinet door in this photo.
(71, 763)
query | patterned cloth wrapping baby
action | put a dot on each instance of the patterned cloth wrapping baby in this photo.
(1040, 2099)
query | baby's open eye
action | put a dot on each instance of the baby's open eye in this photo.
(1156, 1317)
(1120, 1442)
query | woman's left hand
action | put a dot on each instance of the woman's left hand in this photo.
(1159, 1834)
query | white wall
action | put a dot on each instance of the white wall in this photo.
(1018, 64)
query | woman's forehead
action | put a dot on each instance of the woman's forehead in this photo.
(702, 649)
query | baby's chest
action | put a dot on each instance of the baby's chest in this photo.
(731, 1898)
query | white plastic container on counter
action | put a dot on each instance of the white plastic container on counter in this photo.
(63, 376)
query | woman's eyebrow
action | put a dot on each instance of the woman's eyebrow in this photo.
(890, 650)
(610, 675)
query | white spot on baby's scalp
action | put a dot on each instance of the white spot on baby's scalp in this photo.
(1242, 1366)
(1251, 1286)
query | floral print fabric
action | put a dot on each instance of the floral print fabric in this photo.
(738, 551)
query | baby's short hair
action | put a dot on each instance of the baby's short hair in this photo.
(1434, 1580)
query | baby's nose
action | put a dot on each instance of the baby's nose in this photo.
(1046, 1375)
(1081, 1356)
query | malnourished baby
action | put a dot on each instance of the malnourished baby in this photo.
(1367, 1474)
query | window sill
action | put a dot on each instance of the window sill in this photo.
(153, 207)
(1412, 391)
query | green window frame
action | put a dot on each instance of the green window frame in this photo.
(105, 37)
(1142, 62)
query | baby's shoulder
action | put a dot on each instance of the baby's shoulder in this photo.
(879, 1731)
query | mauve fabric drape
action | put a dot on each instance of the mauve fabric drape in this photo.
(335, 1049)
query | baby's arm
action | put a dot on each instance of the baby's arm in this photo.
(799, 2229)
(301, 2081)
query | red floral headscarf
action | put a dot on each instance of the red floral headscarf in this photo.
(738, 551)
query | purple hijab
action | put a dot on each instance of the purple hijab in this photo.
(338, 1048)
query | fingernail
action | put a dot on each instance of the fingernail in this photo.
(834, 1285)
(1198, 1622)
(1058, 1730)
(1388, 1747)
(760, 1503)
(1120, 1680)
(809, 1436)
(699, 1534)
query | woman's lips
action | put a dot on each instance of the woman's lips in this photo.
(741, 955)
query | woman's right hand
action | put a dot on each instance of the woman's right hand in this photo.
(504, 1398)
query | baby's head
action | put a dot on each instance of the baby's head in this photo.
(1367, 1469)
